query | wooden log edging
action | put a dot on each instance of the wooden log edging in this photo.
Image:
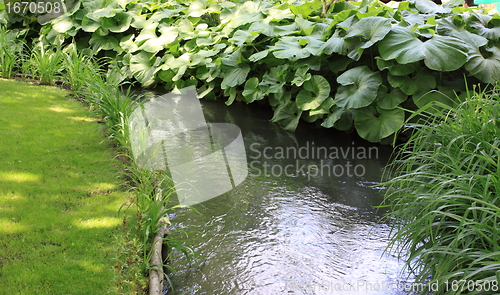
(156, 274)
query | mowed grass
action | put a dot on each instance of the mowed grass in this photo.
(59, 195)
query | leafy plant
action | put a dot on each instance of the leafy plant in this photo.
(78, 68)
(11, 50)
(46, 63)
(302, 57)
(443, 196)
(107, 95)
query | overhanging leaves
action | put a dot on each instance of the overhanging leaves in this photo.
(486, 69)
(440, 53)
(359, 88)
(370, 29)
(373, 123)
(315, 91)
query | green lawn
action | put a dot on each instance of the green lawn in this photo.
(59, 195)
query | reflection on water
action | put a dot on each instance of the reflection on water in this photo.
(306, 229)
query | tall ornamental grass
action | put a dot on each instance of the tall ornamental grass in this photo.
(444, 199)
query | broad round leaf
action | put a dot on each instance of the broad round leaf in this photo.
(252, 91)
(336, 43)
(423, 81)
(144, 66)
(445, 96)
(99, 42)
(427, 6)
(394, 68)
(484, 28)
(296, 47)
(235, 76)
(333, 117)
(485, 69)
(392, 99)
(447, 27)
(373, 123)
(440, 53)
(359, 88)
(372, 29)
(317, 89)
(287, 116)
(117, 24)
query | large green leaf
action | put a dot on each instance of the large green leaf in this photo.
(235, 76)
(336, 43)
(197, 8)
(306, 8)
(99, 42)
(485, 66)
(370, 30)
(486, 26)
(324, 108)
(301, 75)
(90, 25)
(395, 68)
(391, 100)
(448, 27)
(427, 6)
(315, 91)
(440, 53)
(252, 90)
(296, 47)
(359, 87)
(143, 66)
(287, 116)
(333, 117)
(119, 23)
(274, 79)
(154, 44)
(422, 81)
(445, 96)
(248, 12)
(373, 123)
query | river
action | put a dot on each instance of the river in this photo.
(302, 222)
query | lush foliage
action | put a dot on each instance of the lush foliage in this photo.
(354, 68)
(444, 198)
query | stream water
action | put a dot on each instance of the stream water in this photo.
(302, 222)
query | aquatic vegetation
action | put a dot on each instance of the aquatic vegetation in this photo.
(444, 198)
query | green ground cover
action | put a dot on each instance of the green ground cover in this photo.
(59, 195)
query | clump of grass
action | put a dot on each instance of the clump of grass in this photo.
(444, 198)
(10, 52)
(78, 68)
(46, 63)
(112, 100)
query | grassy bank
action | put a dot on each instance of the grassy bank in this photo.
(444, 199)
(59, 195)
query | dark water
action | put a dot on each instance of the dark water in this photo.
(301, 223)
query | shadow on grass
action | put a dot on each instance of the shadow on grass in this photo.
(59, 195)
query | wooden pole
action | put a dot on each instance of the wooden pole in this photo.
(156, 275)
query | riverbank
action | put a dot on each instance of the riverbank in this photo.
(59, 195)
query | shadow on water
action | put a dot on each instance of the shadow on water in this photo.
(301, 223)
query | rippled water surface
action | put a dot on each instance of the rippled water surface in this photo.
(306, 229)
